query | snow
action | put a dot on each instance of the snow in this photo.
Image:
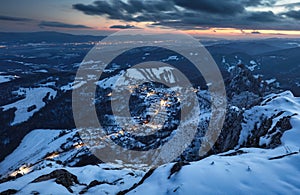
(161, 73)
(91, 77)
(44, 188)
(257, 76)
(90, 173)
(41, 71)
(124, 77)
(273, 104)
(223, 60)
(170, 58)
(33, 147)
(6, 78)
(53, 83)
(235, 108)
(270, 81)
(252, 62)
(92, 65)
(294, 44)
(24, 183)
(34, 96)
(110, 81)
(230, 68)
(252, 65)
(209, 84)
(90, 62)
(79, 82)
(23, 63)
(85, 175)
(254, 171)
(250, 173)
(73, 85)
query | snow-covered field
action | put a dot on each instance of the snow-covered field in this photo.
(33, 99)
(124, 77)
(6, 78)
(73, 85)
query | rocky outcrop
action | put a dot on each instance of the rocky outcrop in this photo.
(9, 192)
(265, 131)
(229, 136)
(96, 182)
(61, 176)
(241, 80)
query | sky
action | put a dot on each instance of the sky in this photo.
(214, 18)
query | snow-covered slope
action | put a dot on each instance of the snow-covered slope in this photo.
(6, 78)
(244, 170)
(160, 73)
(47, 162)
(32, 149)
(45, 151)
(33, 102)
(251, 173)
(270, 119)
(256, 152)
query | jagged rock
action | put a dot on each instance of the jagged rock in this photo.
(282, 125)
(265, 131)
(96, 182)
(242, 80)
(87, 159)
(176, 168)
(259, 131)
(148, 174)
(245, 99)
(273, 134)
(229, 136)
(61, 176)
(9, 192)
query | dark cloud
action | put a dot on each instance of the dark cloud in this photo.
(263, 17)
(247, 20)
(228, 7)
(293, 14)
(188, 14)
(61, 25)
(122, 26)
(133, 10)
(15, 19)
(254, 3)
(289, 5)
(98, 8)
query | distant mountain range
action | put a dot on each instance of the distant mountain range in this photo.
(45, 36)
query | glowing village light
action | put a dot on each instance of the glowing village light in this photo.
(22, 170)
(163, 103)
(52, 155)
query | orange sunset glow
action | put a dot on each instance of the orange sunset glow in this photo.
(228, 19)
